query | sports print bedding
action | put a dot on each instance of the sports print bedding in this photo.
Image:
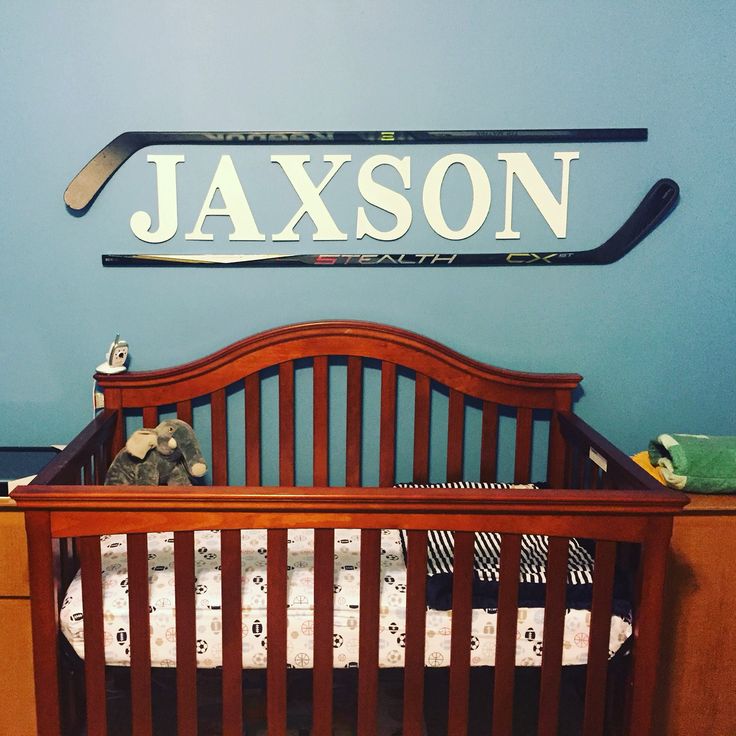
(300, 607)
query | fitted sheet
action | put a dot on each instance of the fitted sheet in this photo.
(300, 613)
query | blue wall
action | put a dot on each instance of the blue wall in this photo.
(653, 334)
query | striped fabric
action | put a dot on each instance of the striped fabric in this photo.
(487, 557)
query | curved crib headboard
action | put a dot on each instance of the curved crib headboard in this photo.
(365, 377)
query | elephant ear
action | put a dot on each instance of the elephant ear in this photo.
(141, 442)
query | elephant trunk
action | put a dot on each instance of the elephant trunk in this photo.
(178, 437)
(191, 454)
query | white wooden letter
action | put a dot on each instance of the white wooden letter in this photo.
(554, 212)
(432, 193)
(168, 223)
(236, 206)
(384, 198)
(312, 204)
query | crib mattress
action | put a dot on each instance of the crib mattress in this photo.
(301, 609)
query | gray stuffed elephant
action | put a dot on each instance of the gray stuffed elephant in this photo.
(167, 455)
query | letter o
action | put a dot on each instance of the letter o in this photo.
(431, 196)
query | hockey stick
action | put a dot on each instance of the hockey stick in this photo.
(88, 183)
(656, 205)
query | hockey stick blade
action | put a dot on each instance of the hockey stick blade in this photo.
(87, 184)
(659, 201)
(656, 205)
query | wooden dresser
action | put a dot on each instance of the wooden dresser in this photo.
(17, 713)
(697, 676)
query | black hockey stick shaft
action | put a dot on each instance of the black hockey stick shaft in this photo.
(656, 205)
(88, 183)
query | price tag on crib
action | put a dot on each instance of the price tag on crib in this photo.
(598, 459)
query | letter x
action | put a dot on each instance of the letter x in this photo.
(312, 204)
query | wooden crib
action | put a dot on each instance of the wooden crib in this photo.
(309, 427)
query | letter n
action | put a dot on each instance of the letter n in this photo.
(553, 211)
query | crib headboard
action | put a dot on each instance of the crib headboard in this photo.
(353, 391)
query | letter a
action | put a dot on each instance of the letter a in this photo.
(236, 206)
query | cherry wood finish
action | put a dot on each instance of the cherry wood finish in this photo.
(94, 646)
(595, 684)
(324, 550)
(508, 598)
(186, 628)
(627, 508)
(416, 622)
(232, 665)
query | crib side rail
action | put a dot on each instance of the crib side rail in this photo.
(85, 459)
(591, 461)
(643, 517)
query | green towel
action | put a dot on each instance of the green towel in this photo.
(696, 463)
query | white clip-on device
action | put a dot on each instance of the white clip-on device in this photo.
(115, 358)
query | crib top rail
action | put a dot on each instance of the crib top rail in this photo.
(616, 515)
(340, 338)
(297, 500)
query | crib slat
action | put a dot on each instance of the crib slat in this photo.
(113, 399)
(416, 613)
(276, 613)
(506, 625)
(324, 551)
(232, 634)
(150, 416)
(612, 479)
(100, 465)
(321, 404)
(353, 421)
(370, 585)
(186, 634)
(594, 475)
(42, 571)
(286, 424)
(554, 626)
(455, 438)
(422, 399)
(650, 579)
(388, 425)
(87, 477)
(184, 411)
(523, 453)
(253, 430)
(489, 442)
(462, 590)
(140, 644)
(598, 643)
(569, 462)
(219, 438)
(557, 451)
(579, 469)
(94, 645)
